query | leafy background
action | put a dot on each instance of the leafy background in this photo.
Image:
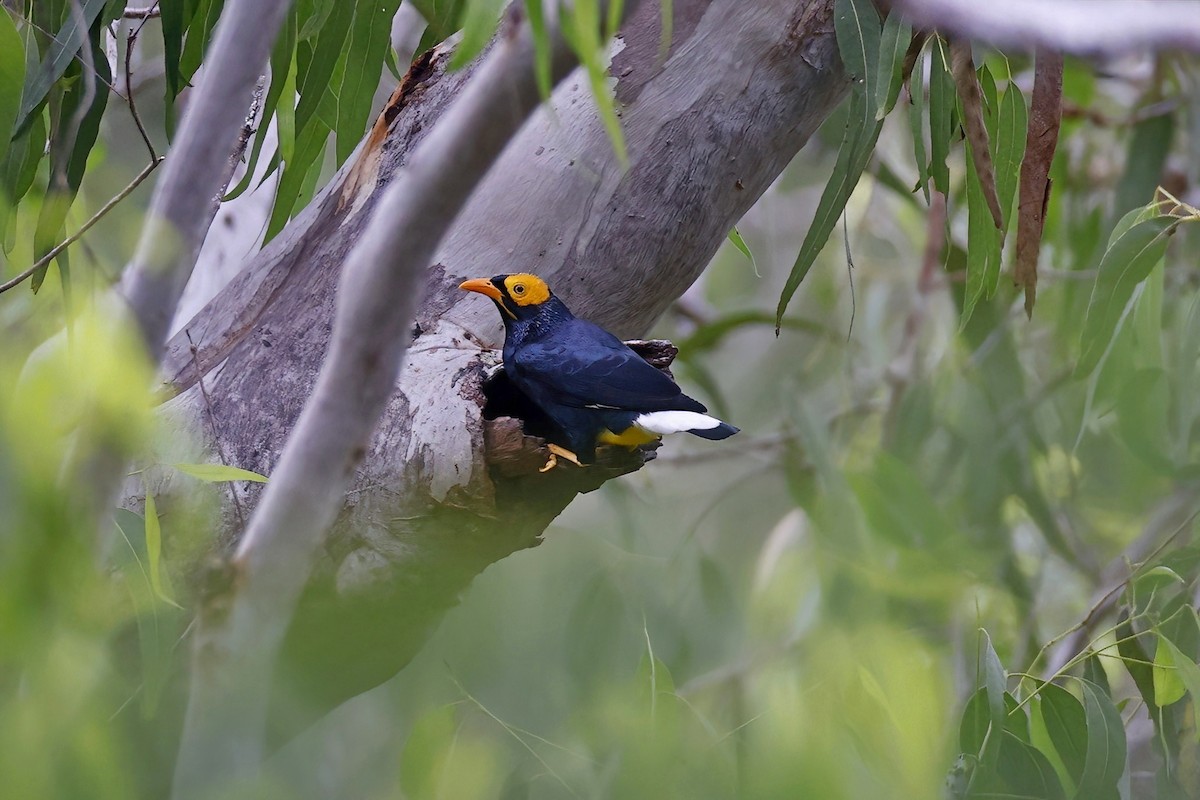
(936, 504)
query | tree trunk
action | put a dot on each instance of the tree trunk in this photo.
(441, 494)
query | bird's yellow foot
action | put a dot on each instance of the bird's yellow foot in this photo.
(555, 453)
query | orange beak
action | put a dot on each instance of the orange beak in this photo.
(483, 286)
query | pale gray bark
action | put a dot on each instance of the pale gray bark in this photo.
(1080, 27)
(708, 129)
(181, 209)
(234, 651)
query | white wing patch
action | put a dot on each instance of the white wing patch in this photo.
(675, 421)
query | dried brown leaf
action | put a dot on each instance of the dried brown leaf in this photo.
(1045, 115)
(966, 82)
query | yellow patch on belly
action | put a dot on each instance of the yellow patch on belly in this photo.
(630, 437)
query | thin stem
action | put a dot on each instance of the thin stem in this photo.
(70, 240)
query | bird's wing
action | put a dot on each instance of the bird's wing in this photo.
(587, 367)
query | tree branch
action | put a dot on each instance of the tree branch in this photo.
(180, 210)
(1079, 27)
(377, 296)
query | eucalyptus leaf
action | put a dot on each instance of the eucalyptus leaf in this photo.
(1126, 263)
(67, 42)
(217, 473)
(893, 46)
(1065, 723)
(1105, 760)
(12, 76)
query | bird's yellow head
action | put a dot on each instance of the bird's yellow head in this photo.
(515, 294)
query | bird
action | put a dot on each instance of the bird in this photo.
(590, 384)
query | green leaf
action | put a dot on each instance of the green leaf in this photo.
(154, 551)
(369, 41)
(1148, 150)
(199, 34)
(581, 28)
(1008, 140)
(70, 163)
(989, 674)
(478, 23)
(1186, 669)
(975, 723)
(443, 16)
(1168, 684)
(172, 21)
(541, 47)
(1061, 717)
(856, 23)
(288, 193)
(67, 42)
(217, 473)
(1025, 771)
(1126, 263)
(740, 244)
(12, 76)
(898, 507)
(426, 752)
(983, 246)
(916, 121)
(893, 46)
(317, 71)
(862, 131)
(1143, 406)
(283, 63)
(942, 122)
(1105, 760)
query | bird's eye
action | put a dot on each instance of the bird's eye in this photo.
(519, 289)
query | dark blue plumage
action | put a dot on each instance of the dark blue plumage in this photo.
(584, 378)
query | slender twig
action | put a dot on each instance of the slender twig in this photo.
(1073, 641)
(142, 13)
(70, 240)
(137, 118)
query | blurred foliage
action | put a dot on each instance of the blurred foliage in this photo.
(952, 554)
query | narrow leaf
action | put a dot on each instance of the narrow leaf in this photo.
(283, 84)
(856, 23)
(478, 23)
(893, 48)
(1011, 122)
(67, 42)
(1126, 264)
(740, 244)
(369, 41)
(1148, 150)
(154, 550)
(217, 473)
(862, 131)
(942, 123)
(983, 245)
(12, 76)
(916, 121)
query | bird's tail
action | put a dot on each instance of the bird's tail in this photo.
(702, 425)
(722, 431)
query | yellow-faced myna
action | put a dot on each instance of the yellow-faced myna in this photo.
(590, 384)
